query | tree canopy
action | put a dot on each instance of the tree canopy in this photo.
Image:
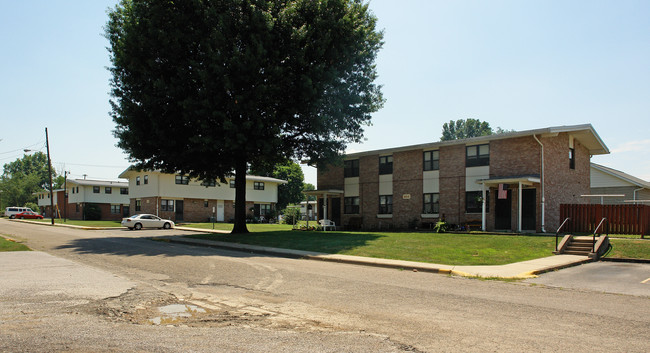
(206, 88)
(23, 177)
(461, 129)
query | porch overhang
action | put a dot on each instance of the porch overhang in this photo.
(519, 180)
(325, 194)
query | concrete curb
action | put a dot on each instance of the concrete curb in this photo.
(376, 262)
(62, 225)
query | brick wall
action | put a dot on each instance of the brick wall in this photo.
(452, 184)
(369, 191)
(407, 180)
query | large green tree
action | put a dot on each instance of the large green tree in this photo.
(22, 177)
(208, 87)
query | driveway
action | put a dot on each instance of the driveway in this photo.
(607, 277)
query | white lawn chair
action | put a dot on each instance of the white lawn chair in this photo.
(326, 223)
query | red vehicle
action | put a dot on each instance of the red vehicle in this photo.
(28, 215)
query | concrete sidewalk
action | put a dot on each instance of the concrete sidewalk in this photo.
(518, 270)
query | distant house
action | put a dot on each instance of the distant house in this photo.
(513, 181)
(607, 181)
(179, 198)
(111, 197)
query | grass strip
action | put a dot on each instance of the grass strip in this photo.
(10, 245)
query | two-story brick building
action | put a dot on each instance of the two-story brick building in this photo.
(111, 197)
(514, 181)
(179, 198)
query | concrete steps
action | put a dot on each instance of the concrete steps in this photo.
(583, 246)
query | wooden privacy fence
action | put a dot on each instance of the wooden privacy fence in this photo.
(622, 219)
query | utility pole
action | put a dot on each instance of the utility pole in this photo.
(49, 169)
(65, 196)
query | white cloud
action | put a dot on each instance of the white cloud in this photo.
(639, 145)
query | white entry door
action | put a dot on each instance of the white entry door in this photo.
(220, 209)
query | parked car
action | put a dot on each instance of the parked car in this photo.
(140, 221)
(27, 215)
(11, 212)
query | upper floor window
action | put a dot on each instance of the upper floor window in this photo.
(431, 160)
(137, 180)
(146, 179)
(95, 189)
(207, 183)
(572, 158)
(386, 204)
(108, 190)
(478, 155)
(182, 179)
(258, 185)
(351, 205)
(351, 168)
(124, 191)
(232, 184)
(386, 165)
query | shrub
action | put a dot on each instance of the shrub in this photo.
(92, 212)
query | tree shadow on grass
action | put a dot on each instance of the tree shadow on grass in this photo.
(159, 245)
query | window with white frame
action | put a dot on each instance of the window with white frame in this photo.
(351, 205)
(167, 205)
(478, 155)
(182, 180)
(431, 203)
(431, 160)
(385, 165)
(258, 185)
(115, 209)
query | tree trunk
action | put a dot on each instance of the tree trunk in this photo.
(240, 197)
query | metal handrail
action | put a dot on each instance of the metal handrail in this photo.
(593, 245)
(558, 231)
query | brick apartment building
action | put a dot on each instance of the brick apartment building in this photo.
(513, 181)
(111, 197)
(177, 197)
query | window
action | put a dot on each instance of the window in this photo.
(265, 210)
(205, 203)
(258, 185)
(572, 158)
(95, 189)
(167, 205)
(232, 184)
(351, 169)
(478, 155)
(137, 180)
(108, 190)
(115, 209)
(431, 203)
(146, 179)
(208, 183)
(386, 204)
(124, 191)
(474, 204)
(385, 165)
(182, 179)
(76, 208)
(351, 205)
(431, 160)
(138, 205)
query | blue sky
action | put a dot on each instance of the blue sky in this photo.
(515, 64)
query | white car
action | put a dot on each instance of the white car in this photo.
(140, 221)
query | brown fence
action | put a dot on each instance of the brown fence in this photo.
(621, 219)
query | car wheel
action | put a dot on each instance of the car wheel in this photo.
(130, 228)
(138, 226)
(12, 217)
(167, 226)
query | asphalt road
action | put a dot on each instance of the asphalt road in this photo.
(254, 303)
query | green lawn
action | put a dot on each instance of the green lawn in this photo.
(7, 245)
(252, 227)
(635, 249)
(450, 249)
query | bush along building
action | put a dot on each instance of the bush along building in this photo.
(179, 198)
(508, 182)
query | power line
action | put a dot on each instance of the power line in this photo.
(26, 148)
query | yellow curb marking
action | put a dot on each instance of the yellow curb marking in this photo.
(646, 281)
